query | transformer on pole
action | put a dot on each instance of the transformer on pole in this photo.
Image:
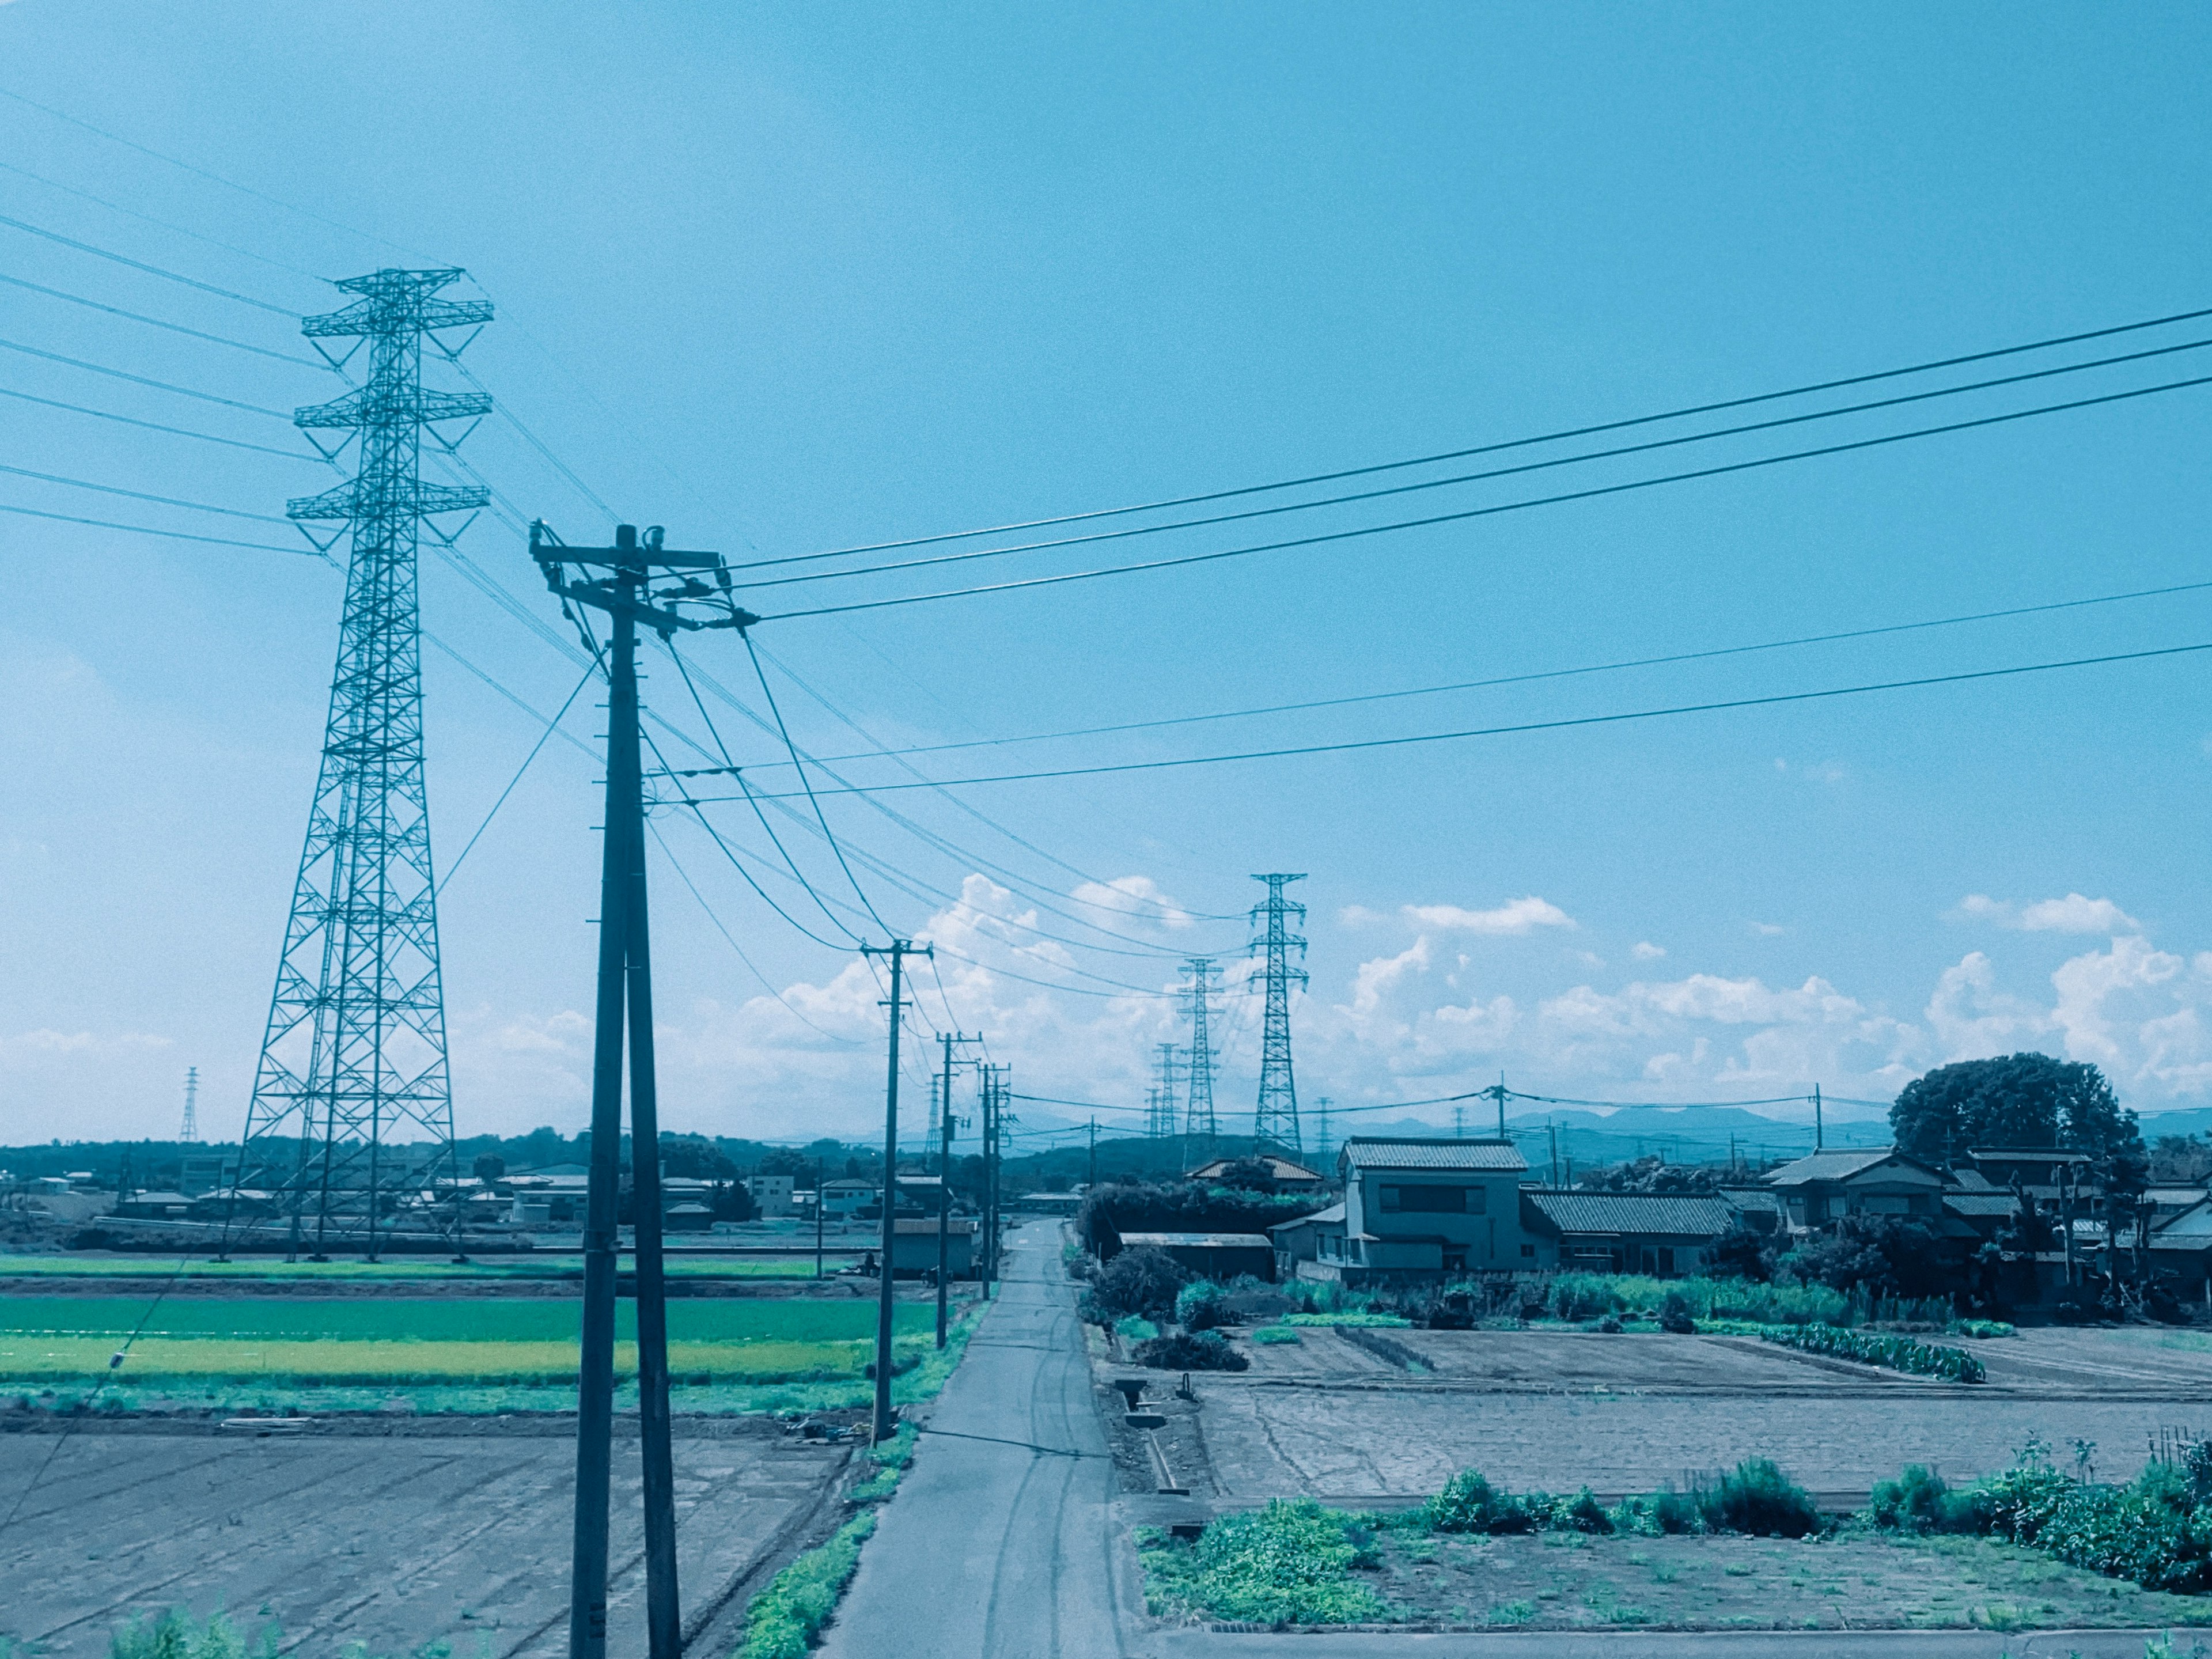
(1198, 1122)
(352, 1112)
(1276, 1117)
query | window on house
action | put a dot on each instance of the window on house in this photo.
(1433, 1201)
(1528, 1249)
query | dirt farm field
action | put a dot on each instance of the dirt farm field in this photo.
(391, 1537)
(1330, 1419)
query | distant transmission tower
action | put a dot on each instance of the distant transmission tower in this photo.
(192, 1129)
(1162, 1124)
(1198, 1124)
(1277, 1116)
(352, 1103)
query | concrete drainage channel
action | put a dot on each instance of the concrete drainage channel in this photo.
(1145, 1416)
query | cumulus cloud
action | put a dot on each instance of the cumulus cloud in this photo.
(1647, 951)
(2072, 915)
(1520, 915)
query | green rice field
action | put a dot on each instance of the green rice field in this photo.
(46, 1342)
(398, 1267)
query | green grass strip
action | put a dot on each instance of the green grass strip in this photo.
(783, 1621)
(1896, 1353)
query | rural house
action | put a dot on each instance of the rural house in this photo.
(1666, 1235)
(1825, 1187)
(1427, 1207)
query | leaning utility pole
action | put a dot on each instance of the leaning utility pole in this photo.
(1197, 1123)
(635, 580)
(898, 951)
(1276, 1114)
(353, 1058)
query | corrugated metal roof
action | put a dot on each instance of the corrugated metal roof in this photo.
(1750, 1199)
(2175, 1195)
(1201, 1241)
(2193, 1223)
(1682, 1213)
(1366, 1152)
(2030, 1155)
(1836, 1166)
(1333, 1216)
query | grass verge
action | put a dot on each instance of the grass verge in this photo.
(1291, 1563)
(784, 1621)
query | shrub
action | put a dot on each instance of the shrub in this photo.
(1288, 1564)
(1674, 1315)
(175, 1635)
(1202, 1304)
(1274, 1333)
(1742, 1253)
(1469, 1502)
(1918, 1501)
(1758, 1498)
(1144, 1281)
(1202, 1350)
(1610, 1325)
(1577, 1297)
(783, 1619)
(1897, 1353)
(1131, 1328)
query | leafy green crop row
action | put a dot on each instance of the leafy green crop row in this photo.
(1896, 1353)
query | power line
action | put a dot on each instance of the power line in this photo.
(181, 230)
(1492, 474)
(200, 172)
(551, 726)
(157, 322)
(140, 494)
(1542, 674)
(1592, 493)
(807, 784)
(141, 380)
(1559, 435)
(150, 270)
(156, 426)
(148, 530)
(774, 840)
(1534, 725)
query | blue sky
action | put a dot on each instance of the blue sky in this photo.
(787, 280)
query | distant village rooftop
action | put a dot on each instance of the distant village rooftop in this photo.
(1429, 1152)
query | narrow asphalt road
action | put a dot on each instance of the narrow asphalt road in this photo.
(1000, 1543)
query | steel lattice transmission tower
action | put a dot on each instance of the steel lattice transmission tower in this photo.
(1160, 1102)
(1276, 1118)
(1198, 1124)
(352, 1110)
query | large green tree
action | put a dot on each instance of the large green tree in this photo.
(2020, 1101)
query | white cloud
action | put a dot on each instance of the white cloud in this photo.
(1765, 929)
(2072, 915)
(1520, 915)
(1137, 898)
(1647, 951)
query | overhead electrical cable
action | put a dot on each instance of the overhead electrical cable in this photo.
(551, 726)
(156, 426)
(1534, 675)
(150, 270)
(774, 840)
(1491, 474)
(730, 939)
(1033, 891)
(1592, 493)
(148, 529)
(141, 380)
(1534, 725)
(159, 322)
(141, 496)
(807, 783)
(1557, 436)
(182, 230)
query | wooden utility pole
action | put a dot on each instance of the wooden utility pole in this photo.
(1093, 1179)
(817, 1217)
(944, 1178)
(635, 580)
(897, 951)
